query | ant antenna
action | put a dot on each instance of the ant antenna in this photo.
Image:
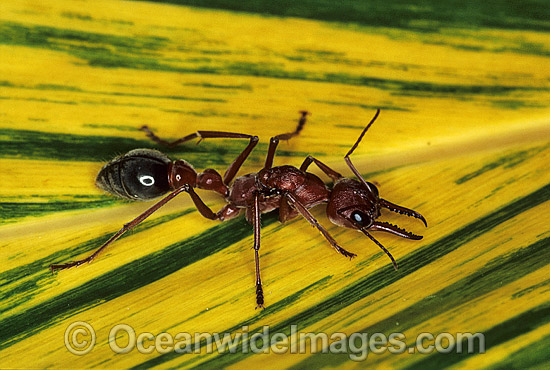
(381, 247)
(348, 160)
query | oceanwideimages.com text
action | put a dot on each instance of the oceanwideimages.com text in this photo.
(80, 338)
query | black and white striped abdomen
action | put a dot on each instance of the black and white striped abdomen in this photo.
(140, 174)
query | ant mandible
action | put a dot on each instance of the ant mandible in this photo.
(144, 174)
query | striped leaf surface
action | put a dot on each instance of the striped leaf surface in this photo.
(463, 138)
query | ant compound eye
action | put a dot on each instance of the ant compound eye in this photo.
(357, 217)
(361, 219)
(147, 180)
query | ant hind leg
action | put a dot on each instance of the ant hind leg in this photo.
(233, 167)
(274, 142)
(130, 225)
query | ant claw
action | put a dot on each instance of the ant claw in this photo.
(345, 253)
(259, 297)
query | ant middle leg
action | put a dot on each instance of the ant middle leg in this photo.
(326, 169)
(257, 234)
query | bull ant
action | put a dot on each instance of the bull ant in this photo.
(144, 174)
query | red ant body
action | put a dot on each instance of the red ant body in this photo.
(143, 174)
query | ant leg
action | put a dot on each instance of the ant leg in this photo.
(271, 152)
(326, 169)
(151, 135)
(299, 128)
(227, 212)
(402, 210)
(308, 216)
(275, 140)
(233, 167)
(381, 247)
(286, 212)
(130, 225)
(257, 229)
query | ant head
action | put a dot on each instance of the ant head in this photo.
(353, 204)
(140, 174)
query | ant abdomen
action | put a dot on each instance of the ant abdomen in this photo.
(140, 174)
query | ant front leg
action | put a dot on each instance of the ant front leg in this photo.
(308, 216)
(286, 212)
(233, 167)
